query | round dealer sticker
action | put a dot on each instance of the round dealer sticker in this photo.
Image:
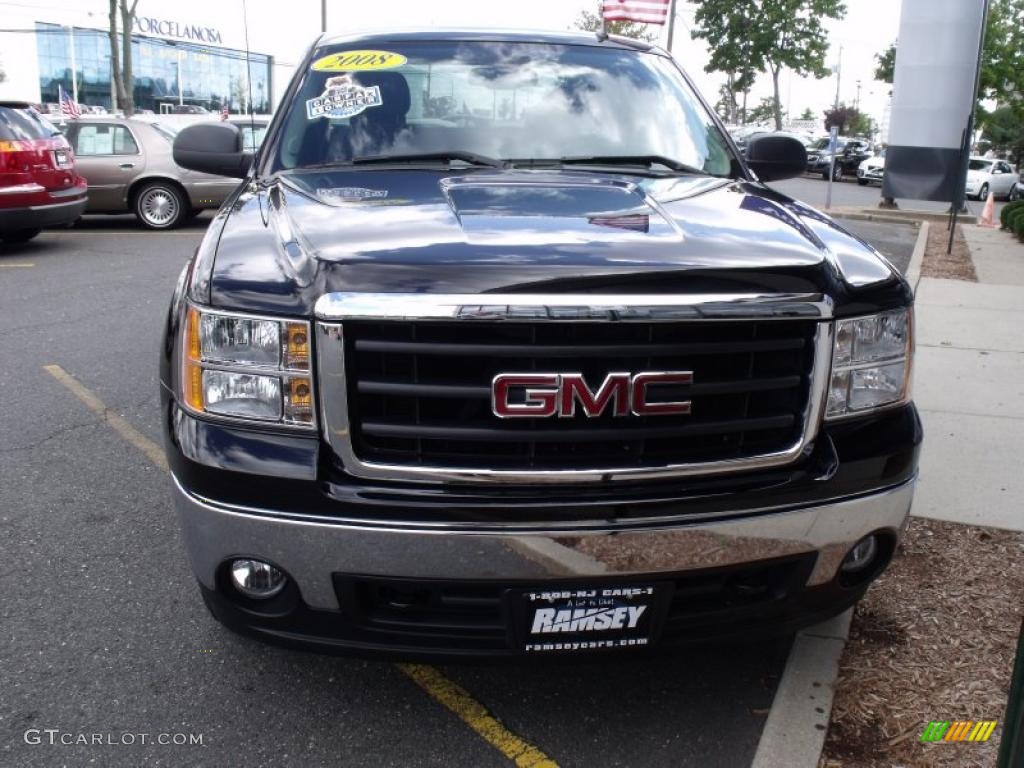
(358, 61)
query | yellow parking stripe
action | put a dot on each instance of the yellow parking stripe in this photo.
(476, 716)
(16, 265)
(443, 690)
(118, 423)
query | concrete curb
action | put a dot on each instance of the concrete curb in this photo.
(895, 213)
(917, 257)
(794, 734)
(881, 218)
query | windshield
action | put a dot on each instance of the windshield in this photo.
(24, 124)
(824, 144)
(503, 101)
(980, 165)
(167, 131)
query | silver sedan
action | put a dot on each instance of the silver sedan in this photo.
(128, 165)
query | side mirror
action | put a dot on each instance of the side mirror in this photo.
(774, 158)
(212, 148)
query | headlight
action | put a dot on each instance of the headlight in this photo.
(251, 368)
(871, 363)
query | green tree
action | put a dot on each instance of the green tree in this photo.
(1004, 132)
(122, 92)
(851, 121)
(592, 22)
(765, 112)
(808, 114)
(772, 35)
(1002, 76)
(885, 69)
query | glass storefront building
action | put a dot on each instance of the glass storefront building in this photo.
(165, 73)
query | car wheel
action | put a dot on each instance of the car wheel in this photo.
(837, 172)
(983, 193)
(1016, 193)
(160, 205)
(863, 182)
(16, 236)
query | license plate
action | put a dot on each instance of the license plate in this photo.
(61, 158)
(589, 618)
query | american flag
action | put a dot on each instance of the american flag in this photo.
(68, 106)
(644, 11)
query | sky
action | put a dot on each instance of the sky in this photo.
(867, 29)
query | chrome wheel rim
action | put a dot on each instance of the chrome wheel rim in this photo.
(158, 207)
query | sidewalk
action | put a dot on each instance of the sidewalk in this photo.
(969, 388)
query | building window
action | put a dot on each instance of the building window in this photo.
(165, 73)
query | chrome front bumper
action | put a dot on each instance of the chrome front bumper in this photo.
(310, 551)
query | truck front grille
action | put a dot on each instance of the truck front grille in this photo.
(419, 393)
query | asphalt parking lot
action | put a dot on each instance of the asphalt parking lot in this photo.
(104, 631)
(848, 193)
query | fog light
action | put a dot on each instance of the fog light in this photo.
(256, 579)
(862, 554)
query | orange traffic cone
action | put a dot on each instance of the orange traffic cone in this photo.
(988, 213)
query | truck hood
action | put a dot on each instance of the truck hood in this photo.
(306, 234)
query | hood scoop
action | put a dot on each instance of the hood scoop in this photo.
(555, 212)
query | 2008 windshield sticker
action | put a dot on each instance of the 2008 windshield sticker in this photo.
(358, 61)
(343, 98)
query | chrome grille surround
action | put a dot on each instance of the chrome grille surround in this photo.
(332, 310)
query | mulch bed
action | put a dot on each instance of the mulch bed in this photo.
(934, 639)
(937, 263)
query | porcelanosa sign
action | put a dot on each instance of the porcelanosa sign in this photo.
(147, 25)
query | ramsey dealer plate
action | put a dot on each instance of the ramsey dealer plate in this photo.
(589, 618)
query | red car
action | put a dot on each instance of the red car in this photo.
(39, 186)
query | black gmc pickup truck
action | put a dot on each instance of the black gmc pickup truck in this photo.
(500, 348)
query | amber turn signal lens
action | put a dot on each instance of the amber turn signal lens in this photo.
(192, 373)
(298, 402)
(296, 352)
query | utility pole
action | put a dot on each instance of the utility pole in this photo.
(839, 76)
(856, 104)
(323, 16)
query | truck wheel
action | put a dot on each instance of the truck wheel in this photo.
(16, 236)
(159, 205)
(837, 173)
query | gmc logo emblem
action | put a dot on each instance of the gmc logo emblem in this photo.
(539, 395)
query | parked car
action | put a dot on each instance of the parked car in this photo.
(39, 183)
(741, 142)
(849, 154)
(537, 383)
(986, 175)
(129, 167)
(872, 169)
(189, 109)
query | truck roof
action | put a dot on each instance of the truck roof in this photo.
(371, 38)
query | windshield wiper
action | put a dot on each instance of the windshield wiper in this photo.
(641, 160)
(472, 158)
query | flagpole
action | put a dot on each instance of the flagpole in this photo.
(671, 25)
(74, 66)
